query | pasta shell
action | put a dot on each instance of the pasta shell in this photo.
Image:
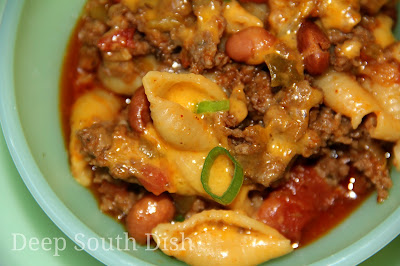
(219, 237)
(95, 106)
(238, 18)
(127, 85)
(387, 96)
(340, 14)
(344, 95)
(173, 99)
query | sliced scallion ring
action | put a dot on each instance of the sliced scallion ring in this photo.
(212, 106)
(237, 180)
(179, 218)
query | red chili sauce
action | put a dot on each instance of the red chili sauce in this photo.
(306, 207)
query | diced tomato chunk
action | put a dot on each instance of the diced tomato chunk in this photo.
(117, 39)
(289, 208)
(154, 180)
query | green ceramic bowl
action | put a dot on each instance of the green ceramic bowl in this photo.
(33, 38)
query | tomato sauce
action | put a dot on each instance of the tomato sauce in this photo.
(306, 207)
(356, 191)
(70, 87)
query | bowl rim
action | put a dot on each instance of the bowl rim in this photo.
(63, 217)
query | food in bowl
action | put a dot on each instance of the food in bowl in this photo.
(216, 123)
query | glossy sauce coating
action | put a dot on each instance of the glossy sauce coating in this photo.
(71, 89)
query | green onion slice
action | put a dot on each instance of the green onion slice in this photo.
(212, 106)
(237, 180)
(179, 218)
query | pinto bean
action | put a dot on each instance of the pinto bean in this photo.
(147, 213)
(139, 111)
(313, 44)
(249, 44)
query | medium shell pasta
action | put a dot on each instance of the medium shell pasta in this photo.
(92, 107)
(388, 96)
(344, 95)
(186, 137)
(387, 127)
(126, 85)
(238, 18)
(173, 99)
(340, 14)
(213, 237)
